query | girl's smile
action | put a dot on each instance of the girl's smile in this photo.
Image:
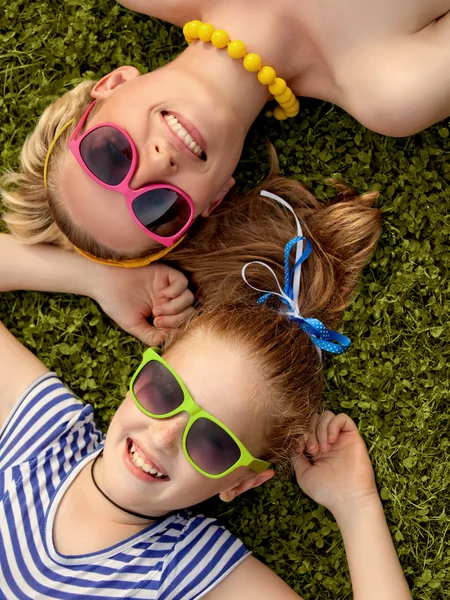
(141, 450)
(142, 465)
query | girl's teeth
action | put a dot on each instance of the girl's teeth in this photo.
(188, 140)
(140, 462)
(182, 133)
(177, 127)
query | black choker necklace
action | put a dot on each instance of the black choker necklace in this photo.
(130, 512)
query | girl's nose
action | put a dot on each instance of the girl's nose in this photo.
(166, 435)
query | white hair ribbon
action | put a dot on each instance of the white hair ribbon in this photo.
(322, 337)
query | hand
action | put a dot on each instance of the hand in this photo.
(339, 476)
(131, 296)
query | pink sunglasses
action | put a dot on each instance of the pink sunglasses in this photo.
(108, 155)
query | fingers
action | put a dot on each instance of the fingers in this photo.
(325, 431)
(178, 284)
(340, 423)
(301, 465)
(148, 335)
(173, 321)
(175, 305)
(312, 443)
(328, 428)
(322, 430)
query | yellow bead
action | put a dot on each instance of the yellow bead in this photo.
(279, 114)
(268, 114)
(290, 103)
(190, 30)
(284, 97)
(185, 30)
(278, 87)
(205, 32)
(236, 49)
(293, 112)
(267, 75)
(220, 38)
(252, 63)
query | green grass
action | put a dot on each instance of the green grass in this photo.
(395, 381)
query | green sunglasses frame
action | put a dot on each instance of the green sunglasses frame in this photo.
(195, 412)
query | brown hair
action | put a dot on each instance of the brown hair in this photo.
(251, 227)
(343, 233)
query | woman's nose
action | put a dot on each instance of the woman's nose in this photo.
(166, 435)
(156, 162)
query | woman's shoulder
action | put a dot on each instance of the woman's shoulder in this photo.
(177, 12)
(400, 87)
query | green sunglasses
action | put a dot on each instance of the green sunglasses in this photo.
(210, 447)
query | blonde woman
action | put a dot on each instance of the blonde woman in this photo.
(131, 190)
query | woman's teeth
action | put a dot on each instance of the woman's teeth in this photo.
(140, 462)
(181, 132)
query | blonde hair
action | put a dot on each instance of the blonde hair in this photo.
(34, 214)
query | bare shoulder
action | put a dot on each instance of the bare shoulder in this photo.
(18, 369)
(177, 12)
(402, 87)
(252, 580)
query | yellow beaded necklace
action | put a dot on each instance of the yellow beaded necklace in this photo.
(289, 106)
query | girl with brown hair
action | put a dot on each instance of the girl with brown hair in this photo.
(233, 394)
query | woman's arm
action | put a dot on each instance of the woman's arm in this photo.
(128, 296)
(45, 268)
(177, 12)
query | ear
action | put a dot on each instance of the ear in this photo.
(113, 80)
(218, 199)
(246, 484)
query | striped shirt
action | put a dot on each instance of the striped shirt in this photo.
(48, 439)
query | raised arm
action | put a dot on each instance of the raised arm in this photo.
(341, 478)
(177, 12)
(18, 369)
(129, 296)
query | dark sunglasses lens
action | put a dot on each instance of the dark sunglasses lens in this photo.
(107, 154)
(162, 211)
(157, 390)
(210, 447)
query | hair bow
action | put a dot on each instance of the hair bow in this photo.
(322, 337)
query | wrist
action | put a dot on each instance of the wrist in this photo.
(353, 506)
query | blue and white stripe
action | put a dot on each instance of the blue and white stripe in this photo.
(48, 438)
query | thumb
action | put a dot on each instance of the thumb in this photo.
(148, 334)
(301, 465)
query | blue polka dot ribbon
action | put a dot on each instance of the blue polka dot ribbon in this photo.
(323, 338)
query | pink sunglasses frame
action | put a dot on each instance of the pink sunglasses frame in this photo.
(129, 194)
